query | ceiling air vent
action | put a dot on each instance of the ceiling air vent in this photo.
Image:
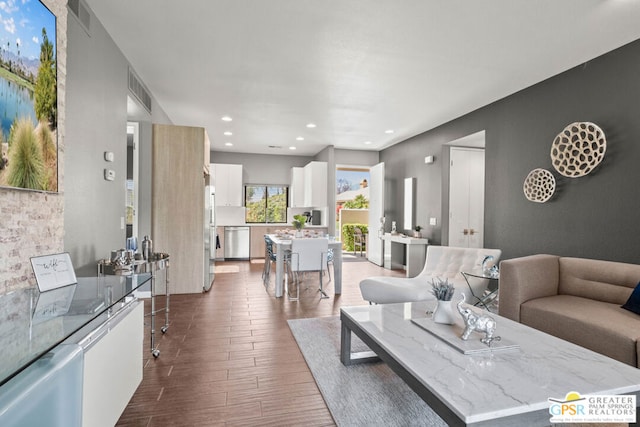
(81, 12)
(139, 91)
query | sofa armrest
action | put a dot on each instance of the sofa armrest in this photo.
(524, 279)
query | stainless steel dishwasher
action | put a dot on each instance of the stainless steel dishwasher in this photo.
(236, 243)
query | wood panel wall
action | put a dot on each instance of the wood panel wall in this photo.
(178, 201)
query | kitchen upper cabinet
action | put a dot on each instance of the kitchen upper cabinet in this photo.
(296, 190)
(315, 184)
(227, 180)
(179, 154)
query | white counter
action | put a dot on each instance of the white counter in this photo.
(405, 251)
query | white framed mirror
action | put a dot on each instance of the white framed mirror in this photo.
(409, 189)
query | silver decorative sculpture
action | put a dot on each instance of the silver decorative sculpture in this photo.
(475, 322)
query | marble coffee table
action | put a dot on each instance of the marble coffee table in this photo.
(494, 388)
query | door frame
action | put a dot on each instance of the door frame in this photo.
(133, 128)
(474, 140)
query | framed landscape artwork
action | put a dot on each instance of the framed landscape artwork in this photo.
(28, 96)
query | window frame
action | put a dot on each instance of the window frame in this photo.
(265, 188)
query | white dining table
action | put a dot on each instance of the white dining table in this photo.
(283, 243)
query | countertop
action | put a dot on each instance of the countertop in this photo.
(32, 323)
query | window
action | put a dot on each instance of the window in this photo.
(266, 203)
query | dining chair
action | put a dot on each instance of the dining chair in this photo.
(329, 261)
(269, 257)
(307, 254)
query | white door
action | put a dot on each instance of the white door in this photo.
(466, 197)
(376, 212)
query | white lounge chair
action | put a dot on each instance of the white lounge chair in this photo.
(444, 262)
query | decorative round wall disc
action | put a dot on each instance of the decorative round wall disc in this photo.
(539, 185)
(578, 149)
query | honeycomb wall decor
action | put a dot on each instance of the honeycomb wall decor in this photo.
(578, 149)
(539, 185)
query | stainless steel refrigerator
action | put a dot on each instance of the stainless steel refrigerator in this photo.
(209, 238)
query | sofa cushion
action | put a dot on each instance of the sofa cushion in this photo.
(633, 303)
(599, 280)
(602, 327)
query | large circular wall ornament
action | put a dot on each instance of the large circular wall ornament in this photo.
(578, 149)
(539, 185)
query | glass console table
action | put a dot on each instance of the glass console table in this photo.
(33, 323)
(489, 294)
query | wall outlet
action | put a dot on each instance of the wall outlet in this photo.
(433, 221)
(109, 174)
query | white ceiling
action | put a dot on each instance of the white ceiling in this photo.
(355, 68)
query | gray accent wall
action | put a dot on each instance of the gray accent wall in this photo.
(594, 216)
(96, 107)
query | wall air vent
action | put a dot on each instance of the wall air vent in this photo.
(139, 91)
(82, 14)
(275, 146)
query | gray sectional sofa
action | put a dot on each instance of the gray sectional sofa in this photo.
(576, 299)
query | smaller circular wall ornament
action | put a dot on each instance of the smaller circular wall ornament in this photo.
(539, 185)
(578, 149)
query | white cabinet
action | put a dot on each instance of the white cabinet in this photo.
(315, 184)
(112, 366)
(228, 184)
(296, 189)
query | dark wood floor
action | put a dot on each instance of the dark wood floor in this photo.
(229, 358)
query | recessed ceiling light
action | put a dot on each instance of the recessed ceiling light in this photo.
(299, 138)
(226, 119)
(228, 144)
(367, 142)
(388, 131)
(292, 148)
(311, 125)
(227, 133)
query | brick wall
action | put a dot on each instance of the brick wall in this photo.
(32, 223)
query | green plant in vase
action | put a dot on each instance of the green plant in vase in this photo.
(417, 232)
(298, 222)
(443, 291)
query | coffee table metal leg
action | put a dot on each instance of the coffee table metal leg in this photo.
(346, 357)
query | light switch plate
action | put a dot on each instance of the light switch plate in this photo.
(433, 221)
(108, 156)
(109, 174)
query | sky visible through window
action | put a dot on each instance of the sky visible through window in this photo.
(350, 179)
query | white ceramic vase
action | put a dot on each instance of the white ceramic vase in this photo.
(443, 313)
